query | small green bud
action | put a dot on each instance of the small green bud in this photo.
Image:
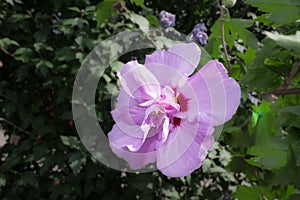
(228, 3)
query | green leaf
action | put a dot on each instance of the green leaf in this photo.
(77, 160)
(248, 57)
(29, 178)
(153, 20)
(293, 109)
(266, 51)
(291, 42)
(238, 26)
(281, 12)
(138, 3)
(23, 54)
(43, 67)
(170, 192)
(75, 9)
(104, 10)
(11, 2)
(252, 193)
(2, 180)
(141, 21)
(267, 151)
(267, 158)
(234, 29)
(261, 79)
(5, 42)
(205, 58)
(290, 116)
(116, 66)
(71, 141)
(290, 174)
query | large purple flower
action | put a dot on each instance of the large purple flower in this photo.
(165, 116)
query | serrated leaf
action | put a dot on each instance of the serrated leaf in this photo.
(138, 3)
(252, 193)
(141, 21)
(234, 29)
(292, 109)
(291, 42)
(267, 158)
(238, 26)
(266, 151)
(261, 79)
(278, 9)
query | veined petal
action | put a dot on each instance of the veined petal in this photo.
(138, 81)
(218, 96)
(121, 139)
(179, 140)
(183, 58)
(167, 76)
(191, 159)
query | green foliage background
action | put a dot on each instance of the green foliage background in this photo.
(43, 44)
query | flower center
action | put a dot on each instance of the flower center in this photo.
(162, 114)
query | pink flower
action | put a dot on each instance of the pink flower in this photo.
(165, 116)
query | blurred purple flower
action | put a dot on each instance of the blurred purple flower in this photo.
(165, 116)
(199, 34)
(166, 19)
(200, 37)
(200, 27)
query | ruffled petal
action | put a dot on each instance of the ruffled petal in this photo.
(119, 142)
(179, 140)
(218, 96)
(122, 140)
(139, 82)
(128, 115)
(183, 58)
(167, 76)
(191, 156)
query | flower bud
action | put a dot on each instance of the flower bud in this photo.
(201, 27)
(199, 35)
(228, 3)
(166, 19)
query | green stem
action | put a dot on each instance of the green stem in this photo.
(222, 9)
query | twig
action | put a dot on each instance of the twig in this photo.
(292, 75)
(285, 91)
(151, 40)
(265, 198)
(13, 125)
(9, 170)
(6, 52)
(123, 7)
(222, 9)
